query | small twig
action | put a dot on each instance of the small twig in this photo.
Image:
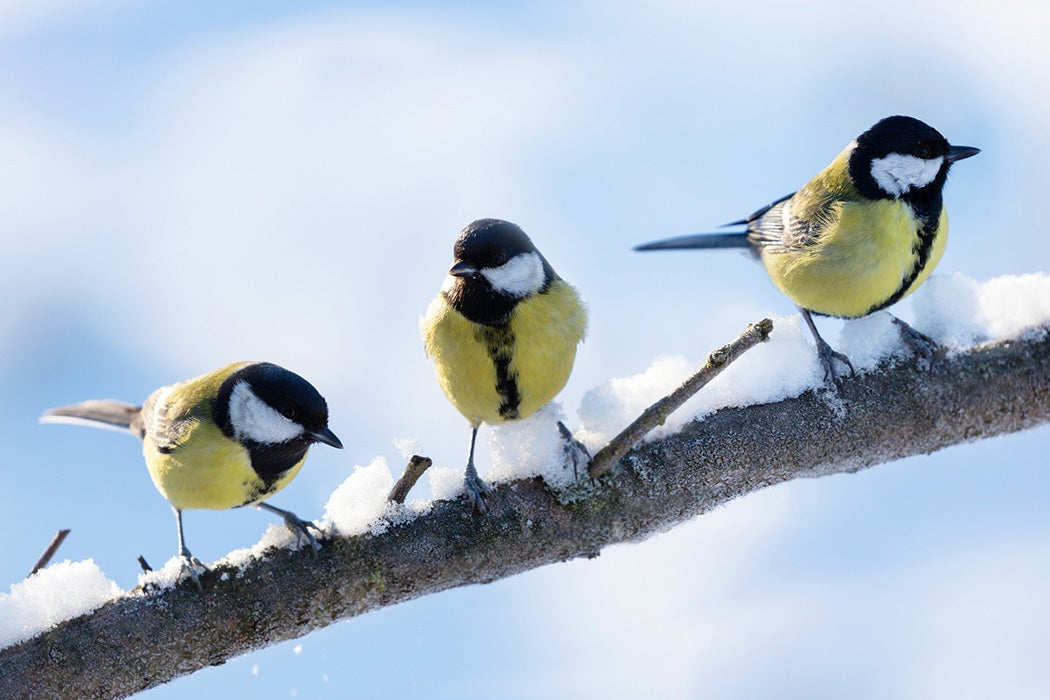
(656, 414)
(416, 466)
(50, 551)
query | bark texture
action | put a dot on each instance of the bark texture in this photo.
(139, 641)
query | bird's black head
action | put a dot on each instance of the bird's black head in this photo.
(490, 243)
(496, 266)
(904, 158)
(275, 414)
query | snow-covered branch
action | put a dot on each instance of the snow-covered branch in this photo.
(138, 641)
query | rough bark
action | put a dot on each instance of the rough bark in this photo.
(139, 641)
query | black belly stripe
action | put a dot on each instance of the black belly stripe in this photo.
(499, 342)
(922, 248)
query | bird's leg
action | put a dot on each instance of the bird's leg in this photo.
(475, 487)
(297, 525)
(575, 452)
(190, 563)
(923, 346)
(827, 356)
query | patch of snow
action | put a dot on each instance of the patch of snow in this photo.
(52, 595)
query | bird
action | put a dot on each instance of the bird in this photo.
(502, 334)
(863, 233)
(229, 438)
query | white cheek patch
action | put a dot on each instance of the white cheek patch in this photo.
(896, 174)
(520, 276)
(253, 419)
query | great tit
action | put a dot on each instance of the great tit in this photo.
(502, 332)
(862, 234)
(233, 437)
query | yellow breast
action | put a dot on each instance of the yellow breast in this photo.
(200, 467)
(864, 256)
(539, 344)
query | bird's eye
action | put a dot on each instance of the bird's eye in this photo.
(923, 151)
(289, 412)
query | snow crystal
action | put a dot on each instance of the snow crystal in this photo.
(164, 577)
(407, 447)
(610, 407)
(360, 504)
(531, 447)
(446, 483)
(960, 312)
(52, 595)
(870, 340)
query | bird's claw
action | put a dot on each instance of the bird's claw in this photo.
(190, 565)
(828, 358)
(922, 346)
(476, 490)
(575, 452)
(301, 529)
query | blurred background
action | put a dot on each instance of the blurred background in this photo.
(184, 184)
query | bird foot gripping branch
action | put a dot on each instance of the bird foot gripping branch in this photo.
(575, 452)
(476, 490)
(191, 565)
(922, 346)
(299, 527)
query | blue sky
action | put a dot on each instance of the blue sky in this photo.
(183, 185)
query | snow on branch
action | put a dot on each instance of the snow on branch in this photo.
(142, 640)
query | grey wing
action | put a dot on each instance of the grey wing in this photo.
(162, 422)
(778, 229)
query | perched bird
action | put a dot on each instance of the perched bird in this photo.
(862, 234)
(233, 437)
(502, 333)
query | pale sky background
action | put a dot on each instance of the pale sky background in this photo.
(183, 185)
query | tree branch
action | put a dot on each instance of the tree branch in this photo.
(45, 558)
(610, 455)
(139, 641)
(416, 466)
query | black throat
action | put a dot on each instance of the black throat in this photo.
(479, 302)
(271, 462)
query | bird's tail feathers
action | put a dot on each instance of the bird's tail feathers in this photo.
(699, 240)
(98, 413)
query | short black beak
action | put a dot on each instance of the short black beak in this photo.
(960, 152)
(327, 437)
(462, 269)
